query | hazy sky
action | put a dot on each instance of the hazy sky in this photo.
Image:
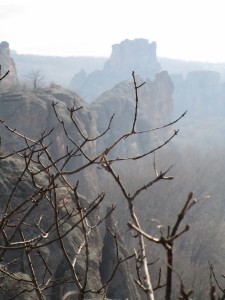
(186, 29)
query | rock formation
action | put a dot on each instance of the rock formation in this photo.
(130, 55)
(9, 288)
(121, 287)
(202, 93)
(155, 108)
(137, 55)
(11, 170)
(7, 64)
(32, 113)
(122, 284)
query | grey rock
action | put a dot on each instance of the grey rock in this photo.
(7, 64)
(155, 108)
(130, 55)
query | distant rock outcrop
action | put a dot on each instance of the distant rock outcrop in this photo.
(202, 94)
(155, 108)
(7, 64)
(183, 67)
(130, 55)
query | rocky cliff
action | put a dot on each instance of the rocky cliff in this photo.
(31, 114)
(52, 254)
(155, 108)
(7, 64)
(202, 93)
(130, 55)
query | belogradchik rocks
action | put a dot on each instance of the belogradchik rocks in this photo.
(7, 64)
(130, 55)
(155, 108)
(31, 113)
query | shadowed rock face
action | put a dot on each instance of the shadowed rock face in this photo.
(137, 55)
(122, 286)
(10, 170)
(21, 289)
(7, 64)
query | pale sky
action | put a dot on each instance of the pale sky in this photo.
(182, 29)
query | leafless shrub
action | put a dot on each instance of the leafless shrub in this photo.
(36, 229)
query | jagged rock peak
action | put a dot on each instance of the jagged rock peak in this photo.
(4, 44)
(4, 56)
(130, 55)
(7, 63)
(137, 54)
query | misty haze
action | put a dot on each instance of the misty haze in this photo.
(111, 175)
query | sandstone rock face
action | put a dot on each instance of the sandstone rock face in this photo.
(7, 63)
(130, 55)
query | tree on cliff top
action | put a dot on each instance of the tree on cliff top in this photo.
(35, 80)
